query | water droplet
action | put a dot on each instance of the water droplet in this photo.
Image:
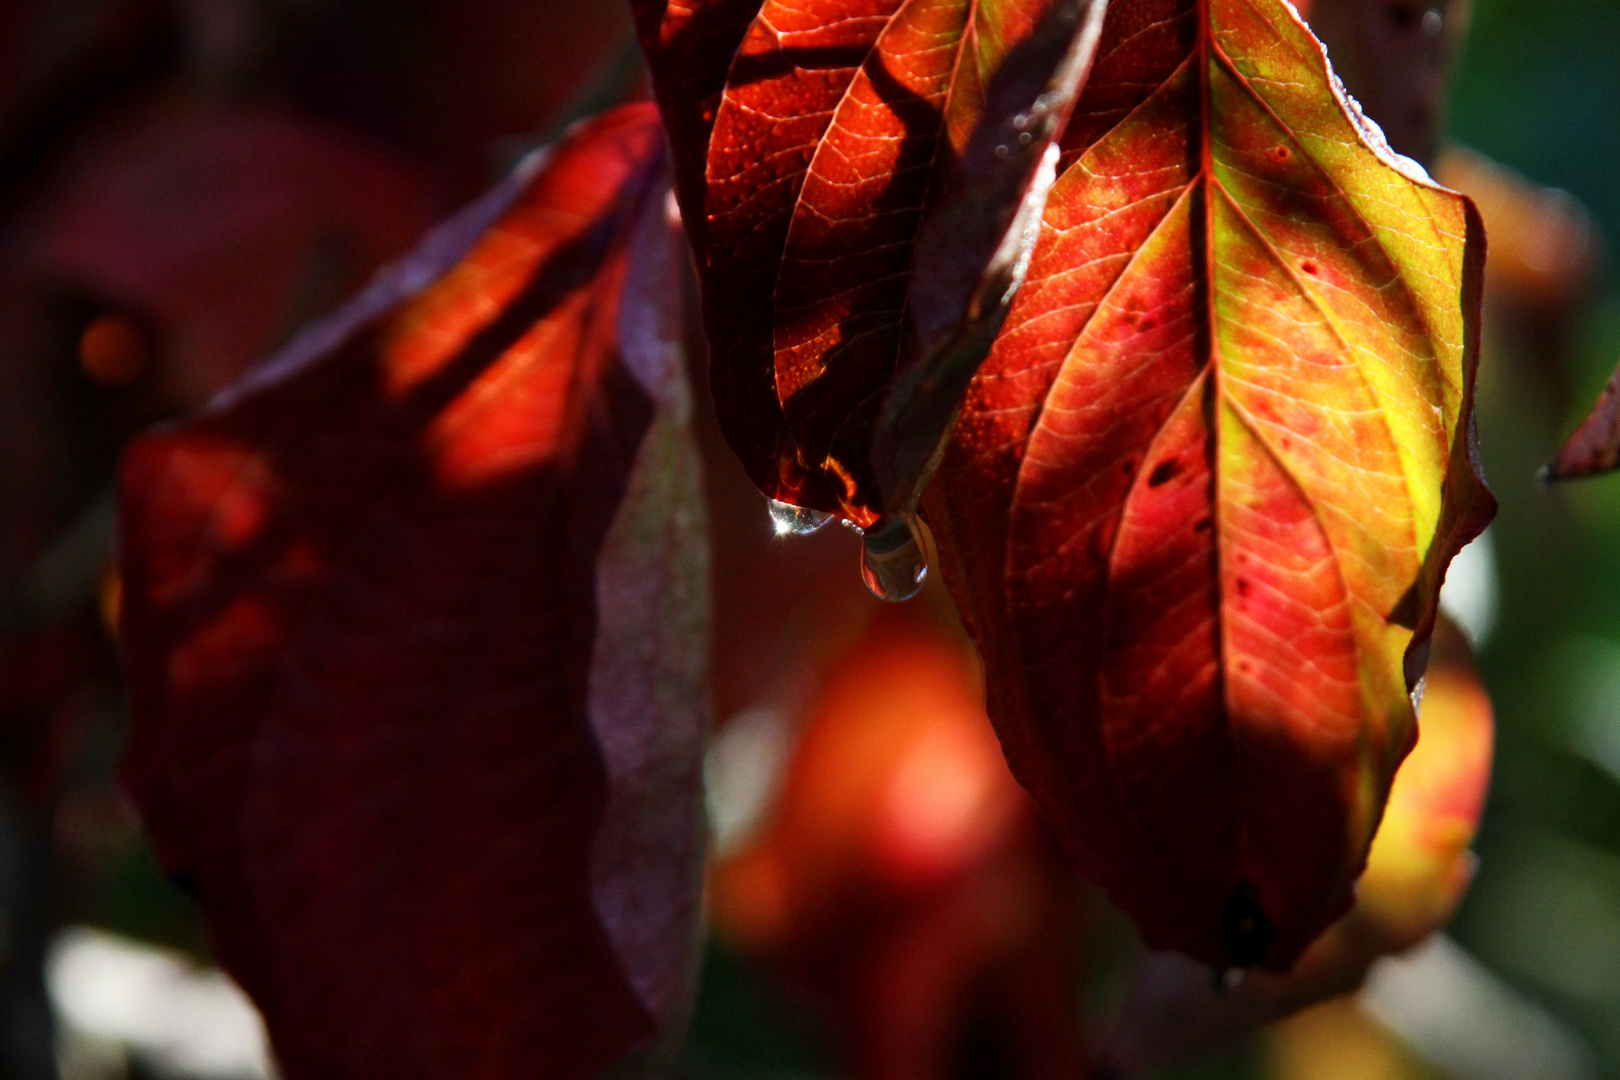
(1433, 22)
(1025, 138)
(1229, 980)
(1002, 151)
(790, 520)
(892, 561)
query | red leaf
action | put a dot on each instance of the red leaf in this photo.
(440, 823)
(689, 46)
(839, 128)
(1594, 447)
(1203, 492)
(974, 249)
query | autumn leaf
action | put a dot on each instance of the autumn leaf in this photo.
(1417, 873)
(974, 249)
(838, 129)
(1203, 492)
(689, 46)
(414, 630)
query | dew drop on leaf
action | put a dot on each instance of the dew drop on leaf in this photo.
(892, 561)
(790, 520)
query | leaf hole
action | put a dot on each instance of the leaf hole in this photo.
(1164, 472)
(1130, 467)
(1203, 525)
(1281, 153)
(1243, 586)
(1309, 267)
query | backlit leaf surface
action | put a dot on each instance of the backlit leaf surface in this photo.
(413, 621)
(1203, 492)
(1417, 873)
(838, 127)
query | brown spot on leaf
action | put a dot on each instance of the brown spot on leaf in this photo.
(1164, 472)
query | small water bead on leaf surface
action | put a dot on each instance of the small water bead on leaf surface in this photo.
(892, 561)
(790, 520)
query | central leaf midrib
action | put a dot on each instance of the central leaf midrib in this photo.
(1205, 182)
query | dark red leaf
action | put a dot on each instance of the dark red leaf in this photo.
(689, 46)
(838, 127)
(413, 629)
(1594, 447)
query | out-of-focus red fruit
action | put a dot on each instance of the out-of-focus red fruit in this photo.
(1417, 872)
(113, 350)
(903, 878)
(897, 783)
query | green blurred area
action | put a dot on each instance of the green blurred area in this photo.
(1539, 91)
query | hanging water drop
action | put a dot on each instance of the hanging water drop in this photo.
(790, 520)
(892, 561)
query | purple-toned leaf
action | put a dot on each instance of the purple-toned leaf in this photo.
(414, 629)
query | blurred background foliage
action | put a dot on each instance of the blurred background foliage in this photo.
(1539, 91)
(183, 184)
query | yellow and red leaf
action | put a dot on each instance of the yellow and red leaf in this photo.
(1205, 487)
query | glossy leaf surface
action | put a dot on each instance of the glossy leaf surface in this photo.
(413, 622)
(839, 126)
(1204, 490)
